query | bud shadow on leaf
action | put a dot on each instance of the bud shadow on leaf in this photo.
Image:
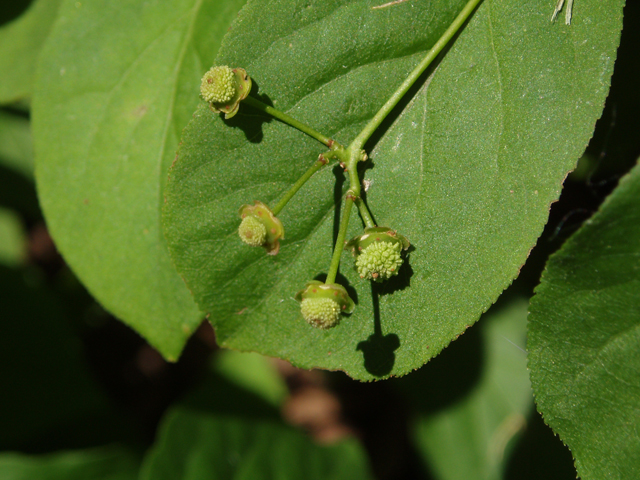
(378, 350)
(338, 186)
(250, 120)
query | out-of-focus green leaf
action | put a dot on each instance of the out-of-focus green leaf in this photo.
(225, 432)
(114, 90)
(584, 339)
(254, 373)
(20, 45)
(13, 241)
(470, 436)
(96, 464)
(466, 172)
(16, 147)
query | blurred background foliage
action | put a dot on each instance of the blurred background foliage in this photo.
(86, 397)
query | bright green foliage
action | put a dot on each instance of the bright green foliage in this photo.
(13, 249)
(467, 171)
(584, 339)
(16, 148)
(472, 437)
(117, 82)
(20, 43)
(224, 432)
(107, 463)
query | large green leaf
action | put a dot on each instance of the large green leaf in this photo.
(112, 95)
(466, 172)
(225, 432)
(584, 339)
(470, 435)
(20, 45)
(107, 463)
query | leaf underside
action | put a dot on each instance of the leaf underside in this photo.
(466, 171)
(584, 339)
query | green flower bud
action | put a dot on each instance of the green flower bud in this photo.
(378, 253)
(224, 88)
(322, 303)
(252, 231)
(260, 227)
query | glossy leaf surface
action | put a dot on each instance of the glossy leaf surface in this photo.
(114, 91)
(584, 339)
(466, 171)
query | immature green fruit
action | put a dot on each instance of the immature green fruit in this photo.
(252, 231)
(378, 253)
(322, 304)
(224, 88)
(260, 227)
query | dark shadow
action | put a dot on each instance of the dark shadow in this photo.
(539, 453)
(378, 350)
(447, 378)
(249, 119)
(12, 10)
(338, 172)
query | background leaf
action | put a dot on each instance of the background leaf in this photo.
(114, 90)
(13, 240)
(466, 171)
(584, 339)
(97, 464)
(20, 44)
(224, 431)
(471, 437)
(16, 147)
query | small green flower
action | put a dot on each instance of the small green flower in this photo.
(322, 304)
(378, 253)
(224, 88)
(260, 227)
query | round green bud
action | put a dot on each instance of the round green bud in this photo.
(378, 252)
(224, 88)
(321, 312)
(252, 231)
(322, 303)
(218, 85)
(379, 261)
(260, 227)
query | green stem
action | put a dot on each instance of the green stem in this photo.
(365, 214)
(377, 119)
(321, 162)
(342, 235)
(255, 103)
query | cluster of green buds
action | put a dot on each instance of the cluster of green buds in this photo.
(224, 88)
(378, 253)
(322, 304)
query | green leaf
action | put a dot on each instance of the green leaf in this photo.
(16, 147)
(584, 339)
(13, 240)
(225, 432)
(106, 463)
(471, 435)
(466, 172)
(114, 90)
(20, 45)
